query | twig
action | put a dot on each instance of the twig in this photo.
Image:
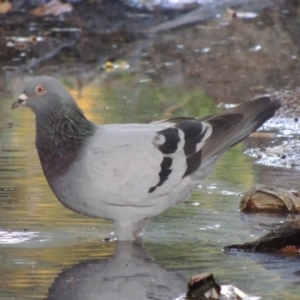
(33, 63)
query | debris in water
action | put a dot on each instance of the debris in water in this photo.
(268, 198)
(22, 43)
(233, 14)
(256, 48)
(203, 286)
(285, 155)
(110, 66)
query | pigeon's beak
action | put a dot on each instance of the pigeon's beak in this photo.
(20, 102)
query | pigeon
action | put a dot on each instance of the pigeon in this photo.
(129, 173)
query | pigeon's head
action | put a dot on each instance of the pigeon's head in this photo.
(44, 93)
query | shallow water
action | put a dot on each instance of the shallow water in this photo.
(39, 238)
(45, 246)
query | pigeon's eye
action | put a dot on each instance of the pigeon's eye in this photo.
(40, 89)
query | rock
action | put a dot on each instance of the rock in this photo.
(285, 239)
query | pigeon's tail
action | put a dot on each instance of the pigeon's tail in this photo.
(235, 124)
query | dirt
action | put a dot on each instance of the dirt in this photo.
(233, 59)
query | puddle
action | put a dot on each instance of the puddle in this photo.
(185, 72)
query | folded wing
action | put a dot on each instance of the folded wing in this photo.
(142, 162)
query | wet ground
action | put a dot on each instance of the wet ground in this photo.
(49, 252)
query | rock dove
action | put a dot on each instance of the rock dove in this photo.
(131, 172)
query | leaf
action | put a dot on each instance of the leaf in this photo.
(54, 7)
(5, 7)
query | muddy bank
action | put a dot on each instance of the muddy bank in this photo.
(233, 59)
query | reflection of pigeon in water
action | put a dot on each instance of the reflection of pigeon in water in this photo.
(129, 173)
(129, 274)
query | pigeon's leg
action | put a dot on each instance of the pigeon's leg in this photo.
(131, 231)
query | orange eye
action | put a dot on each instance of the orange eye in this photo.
(40, 89)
